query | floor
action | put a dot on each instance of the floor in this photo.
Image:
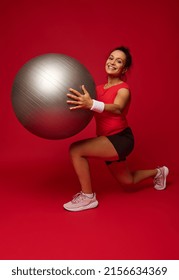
(139, 223)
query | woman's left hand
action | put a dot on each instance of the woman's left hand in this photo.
(81, 100)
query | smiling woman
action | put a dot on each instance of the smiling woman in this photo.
(117, 63)
(115, 140)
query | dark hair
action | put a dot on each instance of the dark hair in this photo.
(127, 53)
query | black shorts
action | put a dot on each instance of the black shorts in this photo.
(123, 142)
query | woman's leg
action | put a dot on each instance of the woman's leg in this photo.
(80, 151)
(123, 175)
(99, 147)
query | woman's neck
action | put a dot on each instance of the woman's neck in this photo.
(113, 81)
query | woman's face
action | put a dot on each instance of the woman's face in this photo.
(115, 64)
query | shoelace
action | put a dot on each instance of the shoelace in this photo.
(159, 179)
(78, 197)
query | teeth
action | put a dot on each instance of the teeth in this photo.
(110, 67)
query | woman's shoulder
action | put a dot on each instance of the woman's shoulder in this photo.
(123, 85)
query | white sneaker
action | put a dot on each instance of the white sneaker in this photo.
(160, 178)
(81, 202)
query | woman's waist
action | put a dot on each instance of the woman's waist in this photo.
(109, 129)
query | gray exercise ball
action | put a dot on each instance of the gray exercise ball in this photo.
(39, 96)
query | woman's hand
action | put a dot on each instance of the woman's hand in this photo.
(82, 101)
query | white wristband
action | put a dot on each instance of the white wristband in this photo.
(97, 106)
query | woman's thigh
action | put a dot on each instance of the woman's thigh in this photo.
(99, 147)
(121, 172)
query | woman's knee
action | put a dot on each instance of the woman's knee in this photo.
(127, 181)
(124, 180)
(122, 174)
(75, 149)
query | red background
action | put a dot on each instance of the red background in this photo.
(36, 176)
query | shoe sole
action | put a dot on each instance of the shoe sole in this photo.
(87, 207)
(166, 171)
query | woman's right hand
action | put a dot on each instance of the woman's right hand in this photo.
(80, 100)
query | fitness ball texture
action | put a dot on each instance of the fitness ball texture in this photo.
(39, 96)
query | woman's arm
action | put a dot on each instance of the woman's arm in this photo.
(84, 101)
(120, 102)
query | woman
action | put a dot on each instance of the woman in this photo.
(114, 141)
